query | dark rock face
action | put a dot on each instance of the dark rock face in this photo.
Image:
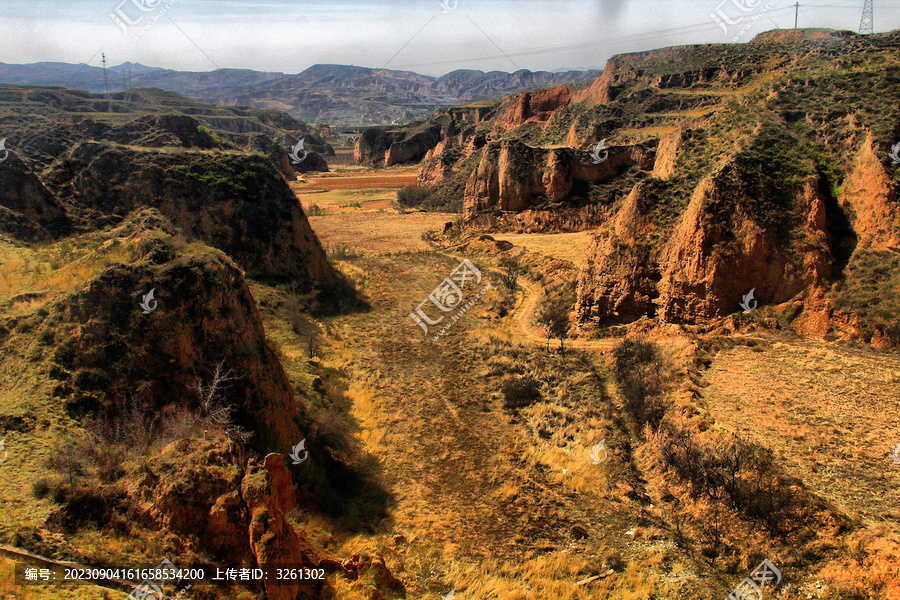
(389, 146)
(204, 314)
(28, 211)
(238, 204)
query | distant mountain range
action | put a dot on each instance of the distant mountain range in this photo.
(337, 94)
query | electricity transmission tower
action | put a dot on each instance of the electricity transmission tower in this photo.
(105, 76)
(866, 23)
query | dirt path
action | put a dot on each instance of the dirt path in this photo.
(447, 445)
(523, 319)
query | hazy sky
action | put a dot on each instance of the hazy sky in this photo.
(416, 35)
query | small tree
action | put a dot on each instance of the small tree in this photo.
(313, 346)
(640, 374)
(214, 413)
(553, 316)
(510, 271)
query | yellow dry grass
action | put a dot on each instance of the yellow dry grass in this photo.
(566, 246)
(830, 410)
(378, 233)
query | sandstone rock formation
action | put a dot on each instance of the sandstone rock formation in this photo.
(716, 255)
(536, 106)
(447, 128)
(513, 177)
(267, 491)
(873, 198)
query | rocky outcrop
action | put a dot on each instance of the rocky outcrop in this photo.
(716, 255)
(27, 210)
(512, 177)
(621, 285)
(235, 510)
(666, 155)
(267, 492)
(389, 146)
(605, 88)
(279, 156)
(236, 203)
(413, 147)
(532, 107)
(720, 252)
(872, 195)
(109, 353)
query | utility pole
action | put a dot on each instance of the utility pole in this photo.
(105, 76)
(124, 81)
(866, 23)
(796, 12)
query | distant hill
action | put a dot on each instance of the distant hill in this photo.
(337, 94)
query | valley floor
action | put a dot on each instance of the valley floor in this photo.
(494, 505)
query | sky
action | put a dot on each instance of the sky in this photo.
(431, 37)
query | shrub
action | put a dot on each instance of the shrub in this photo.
(742, 472)
(40, 488)
(519, 392)
(412, 196)
(640, 374)
(510, 271)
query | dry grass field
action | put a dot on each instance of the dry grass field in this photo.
(350, 188)
(566, 246)
(831, 411)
